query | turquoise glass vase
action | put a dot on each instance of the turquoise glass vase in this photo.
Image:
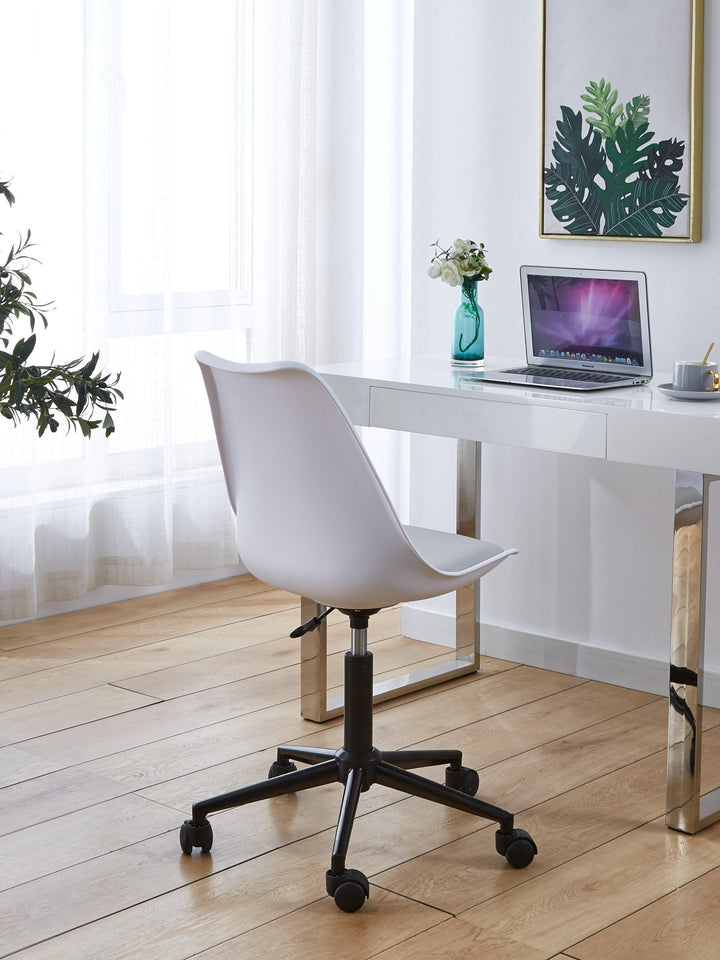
(468, 349)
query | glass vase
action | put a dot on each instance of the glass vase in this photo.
(468, 349)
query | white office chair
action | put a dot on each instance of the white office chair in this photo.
(314, 518)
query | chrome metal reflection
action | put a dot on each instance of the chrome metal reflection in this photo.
(313, 664)
(467, 599)
(687, 809)
(358, 641)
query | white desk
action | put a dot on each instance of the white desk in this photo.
(635, 425)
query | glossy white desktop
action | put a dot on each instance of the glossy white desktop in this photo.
(636, 425)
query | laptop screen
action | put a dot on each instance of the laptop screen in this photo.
(593, 319)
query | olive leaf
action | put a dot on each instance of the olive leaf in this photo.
(75, 391)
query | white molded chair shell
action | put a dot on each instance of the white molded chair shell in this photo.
(313, 517)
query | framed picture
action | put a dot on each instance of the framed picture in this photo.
(622, 119)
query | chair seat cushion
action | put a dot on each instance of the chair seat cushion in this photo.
(450, 552)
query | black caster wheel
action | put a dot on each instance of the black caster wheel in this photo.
(278, 767)
(518, 847)
(350, 889)
(464, 779)
(196, 835)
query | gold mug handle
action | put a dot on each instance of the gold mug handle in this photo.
(715, 381)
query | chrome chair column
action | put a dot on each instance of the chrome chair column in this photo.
(314, 702)
(687, 808)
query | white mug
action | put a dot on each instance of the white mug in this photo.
(695, 377)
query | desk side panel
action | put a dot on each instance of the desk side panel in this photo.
(354, 395)
(490, 421)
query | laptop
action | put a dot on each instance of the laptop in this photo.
(584, 330)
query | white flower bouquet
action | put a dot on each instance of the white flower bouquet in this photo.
(464, 259)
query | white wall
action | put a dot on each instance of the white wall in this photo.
(595, 538)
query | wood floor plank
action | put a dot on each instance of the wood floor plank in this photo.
(578, 899)
(53, 794)
(456, 940)
(685, 923)
(33, 680)
(450, 707)
(162, 654)
(541, 721)
(79, 836)
(88, 664)
(17, 765)
(37, 719)
(582, 756)
(140, 767)
(127, 611)
(182, 716)
(386, 919)
(172, 718)
(11, 666)
(135, 633)
(390, 653)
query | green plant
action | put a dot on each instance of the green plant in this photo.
(614, 180)
(73, 391)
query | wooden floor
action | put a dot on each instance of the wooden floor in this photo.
(113, 720)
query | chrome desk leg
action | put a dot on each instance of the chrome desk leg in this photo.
(314, 703)
(687, 809)
(313, 665)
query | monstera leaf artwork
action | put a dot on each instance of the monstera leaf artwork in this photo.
(610, 175)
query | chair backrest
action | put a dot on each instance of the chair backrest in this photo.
(312, 515)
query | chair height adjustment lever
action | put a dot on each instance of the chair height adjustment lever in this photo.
(310, 624)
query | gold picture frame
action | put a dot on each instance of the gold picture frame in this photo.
(612, 74)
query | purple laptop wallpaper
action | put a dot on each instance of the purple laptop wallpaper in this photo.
(582, 318)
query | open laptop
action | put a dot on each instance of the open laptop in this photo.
(584, 330)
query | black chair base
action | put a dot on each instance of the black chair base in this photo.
(357, 765)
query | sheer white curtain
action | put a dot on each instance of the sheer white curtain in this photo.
(233, 176)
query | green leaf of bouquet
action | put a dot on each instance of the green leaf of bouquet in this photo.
(600, 99)
(664, 161)
(637, 111)
(645, 209)
(627, 156)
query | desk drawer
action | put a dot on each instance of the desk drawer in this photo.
(491, 421)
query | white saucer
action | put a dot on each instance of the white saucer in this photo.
(670, 391)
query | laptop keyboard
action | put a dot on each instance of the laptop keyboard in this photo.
(564, 374)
